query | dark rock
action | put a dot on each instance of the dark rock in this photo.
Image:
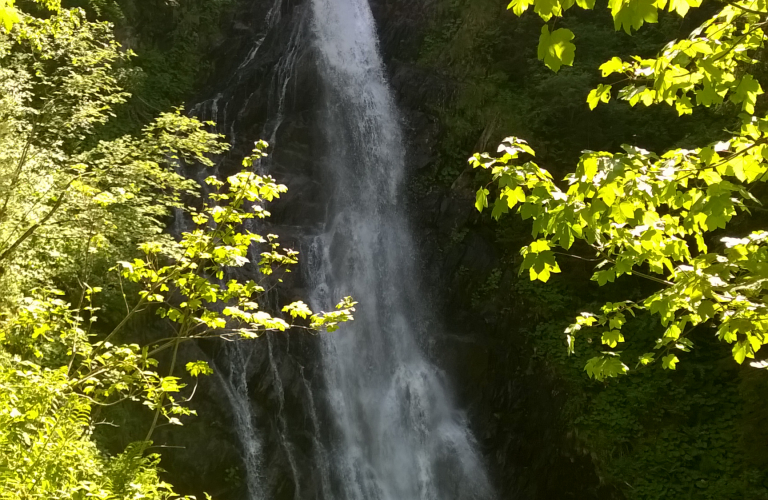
(512, 402)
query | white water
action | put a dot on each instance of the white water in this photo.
(235, 385)
(397, 433)
(283, 424)
(394, 432)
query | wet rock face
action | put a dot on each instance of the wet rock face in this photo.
(266, 86)
(257, 94)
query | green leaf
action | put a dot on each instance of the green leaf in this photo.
(543, 276)
(627, 209)
(555, 48)
(9, 16)
(682, 6)
(481, 200)
(706, 309)
(601, 93)
(499, 209)
(614, 65)
(669, 361)
(646, 358)
(565, 236)
(539, 246)
(298, 309)
(586, 4)
(747, 92)
(548, 8)
(515, 196)
(605, 366)
(612, 338)
(632, 14)
(589, 167)
(571, 342)
(199, 367)
(607, 194)
(519, 6)
(706, 95)
(604, 276)
(740, 352)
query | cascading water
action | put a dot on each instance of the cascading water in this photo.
(398, 436)
(372, 419)
(235, 385)
(283, 425)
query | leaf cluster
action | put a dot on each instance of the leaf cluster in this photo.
(72, 203)
(650, 216)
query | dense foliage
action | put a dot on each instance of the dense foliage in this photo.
(660, 218)
(172, 43)
(654, 433)
(82, 219)
(640, 211)
(691, 433)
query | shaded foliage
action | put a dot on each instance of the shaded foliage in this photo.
(644, 433)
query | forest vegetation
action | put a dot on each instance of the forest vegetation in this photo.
(85, 251)
(638, 210)
(685, 220)
(662, 358)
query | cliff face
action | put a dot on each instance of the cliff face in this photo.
(266, 86)
(513, 399)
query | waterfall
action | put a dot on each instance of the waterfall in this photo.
(235, 385)
(397, 435)
(372, 418)
(283, 425)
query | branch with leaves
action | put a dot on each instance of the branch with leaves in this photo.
(652, 215)
(191, 284)
(647, 216)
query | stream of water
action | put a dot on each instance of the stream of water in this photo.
(400, 437)
(389, 429)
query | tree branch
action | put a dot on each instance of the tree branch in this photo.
(31, 230)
